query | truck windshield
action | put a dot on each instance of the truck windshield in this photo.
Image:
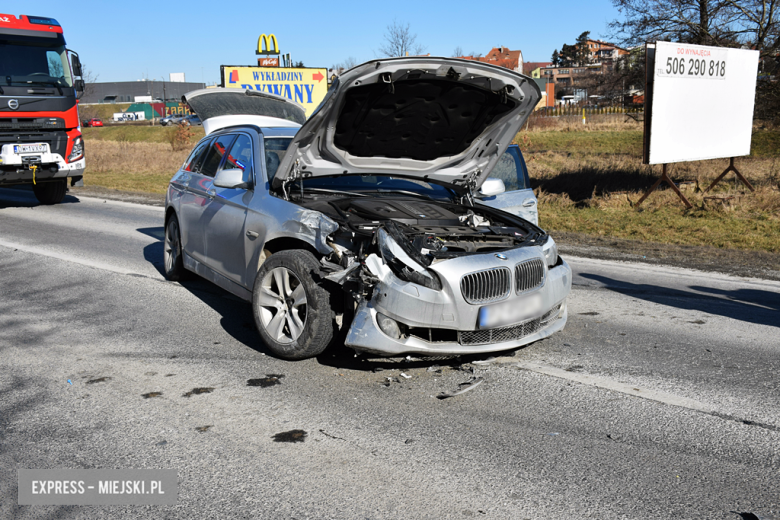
(34, 65)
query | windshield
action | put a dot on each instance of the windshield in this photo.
(379, 184)
(274, 151)
(34, 65)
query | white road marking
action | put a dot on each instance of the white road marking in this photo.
(74, 259)
(610, 384)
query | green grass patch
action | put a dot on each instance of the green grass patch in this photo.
(138, 133)
(669, 225)
(765, 143)
(582, 143)
(135, 182)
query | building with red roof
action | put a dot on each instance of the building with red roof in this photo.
(501, 56)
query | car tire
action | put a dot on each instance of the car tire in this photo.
(291, 305)
(173, 260)
(50, 192)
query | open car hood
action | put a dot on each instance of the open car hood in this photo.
(221, 107)
(441, 119)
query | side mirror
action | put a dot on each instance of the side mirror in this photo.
(76, 63)
(233, 178)
(491, 187)
(79, 84)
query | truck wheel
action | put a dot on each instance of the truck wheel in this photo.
(291, 307)
(50, 192)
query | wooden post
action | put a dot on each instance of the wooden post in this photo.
(731, 168)
(665, 177)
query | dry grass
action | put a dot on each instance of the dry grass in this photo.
(597, 195)
(132, 166)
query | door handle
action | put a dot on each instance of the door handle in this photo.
(527, 203)
(252, 234)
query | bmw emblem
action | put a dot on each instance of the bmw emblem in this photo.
(13, 104)
(500, 256)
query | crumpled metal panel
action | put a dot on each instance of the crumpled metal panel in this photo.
(314, 226)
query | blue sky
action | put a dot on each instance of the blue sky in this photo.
(129, 40)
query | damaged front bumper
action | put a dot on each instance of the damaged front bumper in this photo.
(441, 322)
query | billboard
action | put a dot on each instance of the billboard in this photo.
(306, 86)
(699, 102)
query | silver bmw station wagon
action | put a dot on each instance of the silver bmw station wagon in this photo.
(366, 224)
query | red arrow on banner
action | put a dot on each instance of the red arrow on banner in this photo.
(318, 76)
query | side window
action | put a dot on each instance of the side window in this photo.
(215, 154)
(523, 181)
(511, 169)
(506, 170)
(191, 163)
(240, 156)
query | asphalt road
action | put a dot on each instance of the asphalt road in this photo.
(660, 399)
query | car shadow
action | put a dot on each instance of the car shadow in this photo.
(153, 253)
(749, 305)
(235, 314)
(23, 197)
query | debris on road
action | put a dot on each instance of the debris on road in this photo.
(151, 394)
(202, 429)
(326, 434)
(405, 376)
(464, 387)
(198, 391)
(389, 380)
(98, 380)
(265, 382)
(290, 436)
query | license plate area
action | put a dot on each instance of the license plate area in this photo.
(510, 312)
(31, 148)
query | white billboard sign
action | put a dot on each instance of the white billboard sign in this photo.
(701, 102)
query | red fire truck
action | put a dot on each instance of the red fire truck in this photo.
(40, 136)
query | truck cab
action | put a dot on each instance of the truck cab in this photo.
(40, 135)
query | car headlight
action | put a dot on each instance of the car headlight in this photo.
(77, 152)
(550, 250)
(403, 265)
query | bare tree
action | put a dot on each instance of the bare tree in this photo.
(753, 24)
(703, 22)
(399, 41)
(350, 62)
(458, 52)
(90, 78)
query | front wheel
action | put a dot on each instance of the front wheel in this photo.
(291, 307)
(50, 192)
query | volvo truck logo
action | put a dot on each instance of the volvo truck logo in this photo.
(13, 104)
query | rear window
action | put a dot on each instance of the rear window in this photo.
(191, 164)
